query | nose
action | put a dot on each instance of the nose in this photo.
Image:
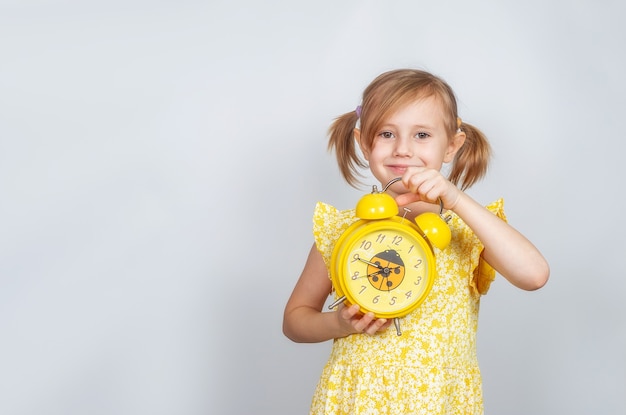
(403, 147)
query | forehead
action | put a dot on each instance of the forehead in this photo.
(423, 110)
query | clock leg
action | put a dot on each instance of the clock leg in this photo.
(336, 303)
(396, 322)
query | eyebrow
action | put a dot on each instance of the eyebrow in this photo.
(425, 126)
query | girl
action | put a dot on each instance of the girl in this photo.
(409, 127)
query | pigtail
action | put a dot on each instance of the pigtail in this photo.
(341, 140)
(471, 161)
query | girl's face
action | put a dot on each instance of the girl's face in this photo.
(414, 135)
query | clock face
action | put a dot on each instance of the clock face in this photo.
(385, 268)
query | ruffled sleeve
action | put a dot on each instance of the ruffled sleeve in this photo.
(328, 225)
(483, 273)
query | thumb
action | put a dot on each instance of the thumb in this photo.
(349, 312)
(406, 198)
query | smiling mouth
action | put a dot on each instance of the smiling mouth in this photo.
(397, 169)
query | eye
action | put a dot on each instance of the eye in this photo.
(422, 136)
(385, 134)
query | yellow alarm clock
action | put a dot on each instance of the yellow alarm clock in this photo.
(386, 263)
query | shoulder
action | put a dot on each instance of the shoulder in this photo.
(327, 215)
(328, 224)
(497, 208)
(469, 250)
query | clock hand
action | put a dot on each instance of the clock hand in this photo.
(384, 270)
(370, 263)
(384, 273)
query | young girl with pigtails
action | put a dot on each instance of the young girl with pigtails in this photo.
(407, 126)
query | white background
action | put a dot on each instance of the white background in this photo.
(160, 161)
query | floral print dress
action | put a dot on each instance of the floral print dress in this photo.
(432, 368)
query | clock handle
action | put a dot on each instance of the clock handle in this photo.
(397, 179)
(392, 181)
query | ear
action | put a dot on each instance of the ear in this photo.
(364, 149)
(453, 146)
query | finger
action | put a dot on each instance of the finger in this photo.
(363, 323)
(406, 198)
(414, 177)
(376, 326)
(346, 314)
(351, 311)
(385, 325)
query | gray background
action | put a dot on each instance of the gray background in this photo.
(160, 161)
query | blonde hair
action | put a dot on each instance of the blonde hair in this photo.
(384, 96)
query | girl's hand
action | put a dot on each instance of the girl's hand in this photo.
(354, 322)
(428, 185)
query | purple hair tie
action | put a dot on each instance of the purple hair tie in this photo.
(358, 111)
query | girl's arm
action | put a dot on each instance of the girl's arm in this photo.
(505, 249)
(304, 321)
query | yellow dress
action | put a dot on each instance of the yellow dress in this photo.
(432, 368)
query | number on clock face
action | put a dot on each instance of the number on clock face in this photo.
(387, 270)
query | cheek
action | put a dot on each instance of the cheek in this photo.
(375, 153)
(382, 147)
